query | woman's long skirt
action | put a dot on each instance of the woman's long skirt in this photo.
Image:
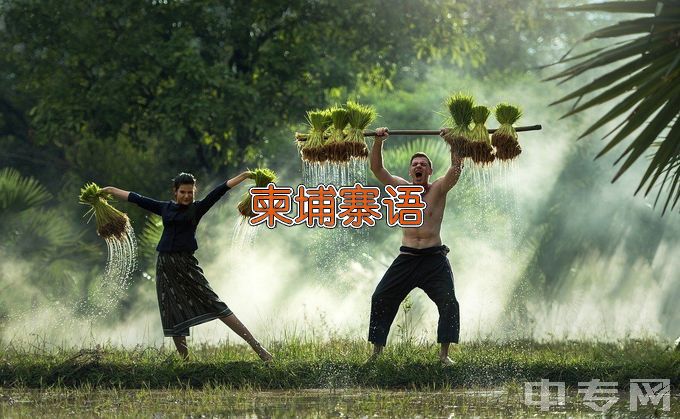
(185, 298)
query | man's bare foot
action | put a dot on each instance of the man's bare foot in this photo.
(446, 361)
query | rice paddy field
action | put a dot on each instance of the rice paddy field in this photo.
(329, 379)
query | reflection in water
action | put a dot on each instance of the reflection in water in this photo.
(222, 402)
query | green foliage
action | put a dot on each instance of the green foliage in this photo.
(360, 116)
(18, 193)
(507, 114)
(480, 114)
(645, 87)
(340, 117)
(398, 156)
(460, 107)
(219, 79)
(110, 221)
(41, 236)
(319, 121)
(339, 363)
(263, 177)
(150, 236)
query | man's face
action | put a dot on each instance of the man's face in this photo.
(184, 195)
(420, 171)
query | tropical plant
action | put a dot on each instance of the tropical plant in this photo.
(18, 193)
(397, 157)
(151, 235)
(646, 85)
(39, 235)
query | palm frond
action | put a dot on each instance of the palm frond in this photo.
(646, 88)
(397, 159)
(151, 235)
(648, 6)
(19, 193)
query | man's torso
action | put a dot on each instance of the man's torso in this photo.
(428, 234)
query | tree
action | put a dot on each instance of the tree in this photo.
(213, 79)
(646, 86)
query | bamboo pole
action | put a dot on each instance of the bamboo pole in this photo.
(303, 137)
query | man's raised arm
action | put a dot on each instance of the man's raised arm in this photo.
(453, 174)
(376, 160)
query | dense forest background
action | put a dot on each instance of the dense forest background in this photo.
(130, 93)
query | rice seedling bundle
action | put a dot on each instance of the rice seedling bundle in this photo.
(458, 136)
(481, 150)
(336, 148)
(262, 178)
(313, 150)
(111, 223)
(359, 118)
(505, 138)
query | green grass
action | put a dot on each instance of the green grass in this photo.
(338, 363)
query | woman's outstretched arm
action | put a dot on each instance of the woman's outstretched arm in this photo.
(147, 203)
(119, 194)
(237, 179)
(206, 203)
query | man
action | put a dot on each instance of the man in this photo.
(422, 259)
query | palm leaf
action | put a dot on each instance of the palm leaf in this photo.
(397, 158)
(646, 86)
(151, 235)
(18, 193)
(645, 139)
(615, 75)
(648, 6)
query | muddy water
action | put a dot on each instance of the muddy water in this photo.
(219, 402)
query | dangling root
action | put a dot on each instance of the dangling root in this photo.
(482, 153)
(507, 147)
(460, 143)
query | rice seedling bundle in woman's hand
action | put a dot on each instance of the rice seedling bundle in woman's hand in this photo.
(336, 149)
(313, 149)
(111, 223)
(505, 138)
(460, 107)
(262, 178)
(481, 150)
(360, 117)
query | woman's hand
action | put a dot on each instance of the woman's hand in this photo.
(116, 193)
(238, 179)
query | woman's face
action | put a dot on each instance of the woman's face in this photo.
(184, 195)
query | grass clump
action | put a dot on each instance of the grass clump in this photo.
(359, 118)
(341, 363)
(262, 178)
(481, 150)
(111, 223)
(336, 147)
(460, 108)
(505, 138)
(313, 149)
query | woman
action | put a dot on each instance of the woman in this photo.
(185, 298)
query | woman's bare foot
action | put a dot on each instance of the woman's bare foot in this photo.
(263, 353)
(446, 361)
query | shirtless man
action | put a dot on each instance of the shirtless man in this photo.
(422, 259)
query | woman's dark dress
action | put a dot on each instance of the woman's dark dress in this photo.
(185, 297)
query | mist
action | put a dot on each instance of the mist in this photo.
(546, 247)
